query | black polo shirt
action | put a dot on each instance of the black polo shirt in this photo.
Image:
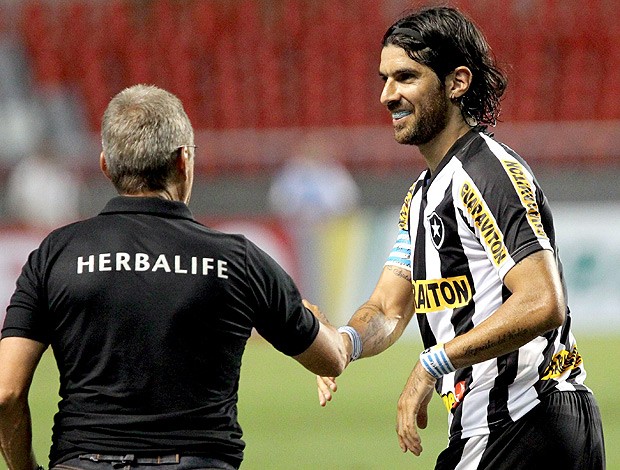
(148, 313)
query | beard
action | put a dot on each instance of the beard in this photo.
(430, 119)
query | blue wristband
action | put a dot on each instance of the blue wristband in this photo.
(356, 341)
(436, 361)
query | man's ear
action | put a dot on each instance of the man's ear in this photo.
(183, 161)
(104, 166)
(458, 82)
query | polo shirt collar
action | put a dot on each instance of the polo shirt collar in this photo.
(147, 205)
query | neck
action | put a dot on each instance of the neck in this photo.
(435, 150)
(169, 194)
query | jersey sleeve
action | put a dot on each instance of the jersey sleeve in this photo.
(280, 316)
(26, 315)
(505, 208)
(401, 251)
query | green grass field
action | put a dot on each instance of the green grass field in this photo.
(285, 428)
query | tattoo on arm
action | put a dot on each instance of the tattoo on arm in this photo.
(492, 342)
(374, 335)
(400, 272)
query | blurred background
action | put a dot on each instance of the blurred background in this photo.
(294, 148)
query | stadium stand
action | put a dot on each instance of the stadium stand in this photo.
(252, 70)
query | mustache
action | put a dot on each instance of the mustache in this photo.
(395, 107)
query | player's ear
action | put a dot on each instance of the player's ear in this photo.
(458, 82)
(104, 165)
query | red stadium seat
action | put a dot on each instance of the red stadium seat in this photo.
(260, 64)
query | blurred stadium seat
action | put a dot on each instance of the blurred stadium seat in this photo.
(261, 64)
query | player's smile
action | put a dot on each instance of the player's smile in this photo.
(398, 115)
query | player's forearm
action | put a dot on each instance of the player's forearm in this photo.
(536, 306)
(514, 324)
(16, 435)
(384, 317)
(377, 330)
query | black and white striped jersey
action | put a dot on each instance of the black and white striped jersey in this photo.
(461, 230)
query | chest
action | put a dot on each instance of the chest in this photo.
(444, 244)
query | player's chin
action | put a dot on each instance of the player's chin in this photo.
(404, 137)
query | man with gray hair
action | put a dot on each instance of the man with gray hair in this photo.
(148, 313)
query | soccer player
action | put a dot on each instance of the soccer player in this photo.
(148, 313)
(476, 260)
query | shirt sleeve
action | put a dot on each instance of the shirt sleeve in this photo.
(505, 208)
(26, 315)
(280, 316)
(401, 251)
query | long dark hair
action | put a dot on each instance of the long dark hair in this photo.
(443, 39)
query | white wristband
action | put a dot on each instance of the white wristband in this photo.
(436, 361)
(356, 340)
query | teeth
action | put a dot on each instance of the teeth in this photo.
(400, 114)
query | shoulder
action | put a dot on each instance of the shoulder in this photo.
(403, 221)
(483, 148)
(489, 163)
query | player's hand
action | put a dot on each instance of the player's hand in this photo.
(326, 387)
(412, 409)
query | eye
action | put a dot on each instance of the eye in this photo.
(406, 77)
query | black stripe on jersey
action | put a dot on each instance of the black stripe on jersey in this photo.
(451, 253)
(565, 335)
(507, 367)
(543, 387)
(419, 268)
(453, 260)
(461, 375)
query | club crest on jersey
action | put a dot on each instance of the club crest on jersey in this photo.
(437, 229)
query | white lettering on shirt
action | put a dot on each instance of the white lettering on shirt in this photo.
(143, 262)
(81, 264)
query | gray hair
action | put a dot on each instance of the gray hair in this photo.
(141, 132)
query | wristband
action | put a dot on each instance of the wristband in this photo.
(356, 341)
(436, 361)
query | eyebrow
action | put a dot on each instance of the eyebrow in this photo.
(401, 71)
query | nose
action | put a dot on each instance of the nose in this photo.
(389, 94)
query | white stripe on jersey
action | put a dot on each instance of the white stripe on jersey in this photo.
(472, 244)
(472, 453)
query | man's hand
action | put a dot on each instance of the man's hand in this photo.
(326, 386)
(412, 409)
